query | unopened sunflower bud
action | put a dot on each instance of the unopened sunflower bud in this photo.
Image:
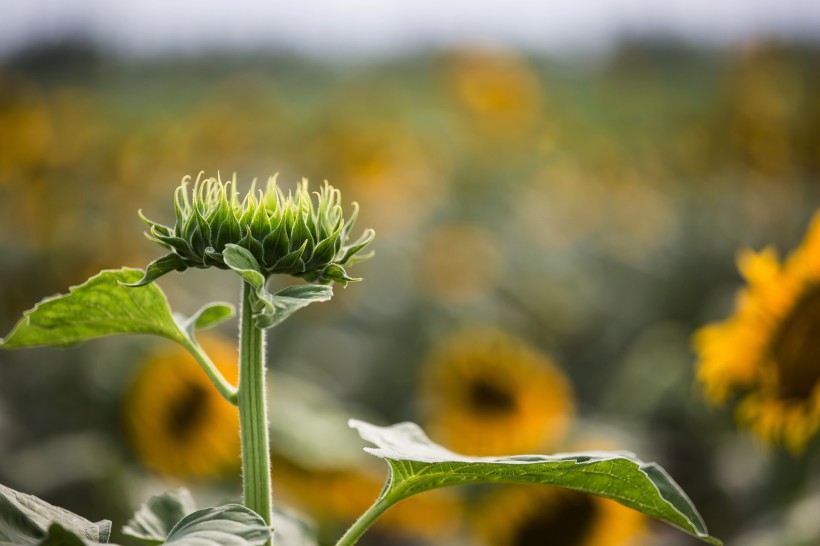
(285, 234)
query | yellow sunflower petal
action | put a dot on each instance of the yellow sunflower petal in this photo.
(768, 350)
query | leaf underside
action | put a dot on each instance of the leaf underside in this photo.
(161, 519)
(228, 525)
(417, 465)
(26, 520)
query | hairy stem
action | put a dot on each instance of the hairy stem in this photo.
(365, 521)
(253, 412)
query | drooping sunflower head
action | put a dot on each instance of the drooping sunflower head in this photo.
(489, 393)
(535, 515)
(768, 351)
(178, 424)
(290, 234)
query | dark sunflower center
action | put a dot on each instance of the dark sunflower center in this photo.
(187, 411)
(565, 522)
(487, 397)
(796, 348)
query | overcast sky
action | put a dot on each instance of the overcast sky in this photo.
(355, 27)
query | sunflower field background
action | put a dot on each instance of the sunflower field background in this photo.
(552, 236)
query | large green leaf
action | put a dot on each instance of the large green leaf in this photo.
(154, 520)
(417, 465)
(26, 520)
(101, 306)
(229, 525)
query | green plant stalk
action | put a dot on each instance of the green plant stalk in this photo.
(228, 391)
(253, 412)
(365, 521)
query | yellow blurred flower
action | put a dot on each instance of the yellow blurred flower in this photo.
(178, 424)
(385, 168)
(768, 350)
(27, 127)
(532, 515)
(488, 393)
(497, 90)
(341, 495)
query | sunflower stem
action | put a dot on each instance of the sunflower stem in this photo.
(253, 412)
(365, 521)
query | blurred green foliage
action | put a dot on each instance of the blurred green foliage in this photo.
(592, 206)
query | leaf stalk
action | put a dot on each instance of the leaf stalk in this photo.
(223, 386)
(365, 521)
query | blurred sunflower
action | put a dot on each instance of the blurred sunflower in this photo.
(768, 350)
(536, 515)
(497, 90)
(488, 393)
(178, 424)
(340, 495)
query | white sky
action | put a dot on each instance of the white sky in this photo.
(376, 27)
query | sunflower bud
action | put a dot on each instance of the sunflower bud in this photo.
(285, 234)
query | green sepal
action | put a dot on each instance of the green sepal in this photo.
(325, 250)
(276, 244)
(301, 238)
(351, 250)
(292, 262)
(158, 268)
(337, 273)
(418, 465)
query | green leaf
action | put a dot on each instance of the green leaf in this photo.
(27, 520)
(286, 302)
(350, 251)
(209, 316)
(156, 518)
(58, 535)
(418, 465)
(242, 261)
(101, 306)
(271, 309)
(229, 525)
(158, 268)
